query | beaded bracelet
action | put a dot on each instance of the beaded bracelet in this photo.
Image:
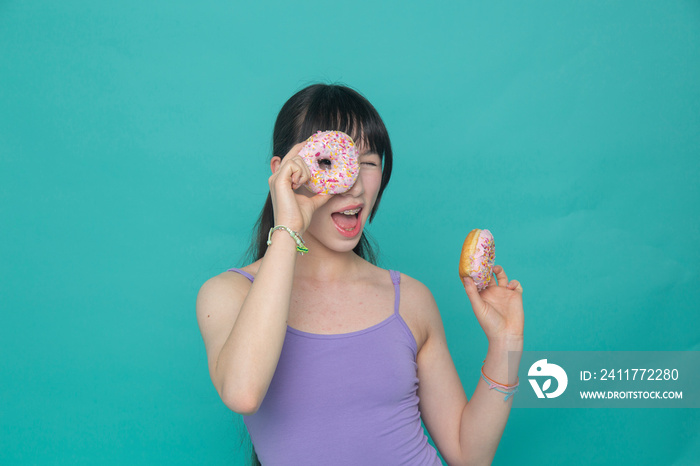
(510, 390)
(301, 246)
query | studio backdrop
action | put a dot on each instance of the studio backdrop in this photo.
(135, 140)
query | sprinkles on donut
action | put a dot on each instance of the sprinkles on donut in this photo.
(478, 256)
(332, 159)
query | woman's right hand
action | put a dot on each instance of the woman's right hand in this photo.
(293, 204)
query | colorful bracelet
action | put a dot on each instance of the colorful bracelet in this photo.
(301, 246)
(508, 390)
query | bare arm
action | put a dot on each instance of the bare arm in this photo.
(484, 418)
(244, 349)
(467, 432)
(244, 325)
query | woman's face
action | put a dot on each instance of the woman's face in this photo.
(330, 226)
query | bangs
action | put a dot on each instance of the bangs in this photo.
(336, 109)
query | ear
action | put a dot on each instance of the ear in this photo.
(275, 163)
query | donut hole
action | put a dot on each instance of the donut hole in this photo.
(325, 164)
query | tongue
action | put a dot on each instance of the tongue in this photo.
(345, 222)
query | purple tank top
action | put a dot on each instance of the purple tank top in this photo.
(344, 399)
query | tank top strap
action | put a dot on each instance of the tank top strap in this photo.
(242, 272)
(396, 280)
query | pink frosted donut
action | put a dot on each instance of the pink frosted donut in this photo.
(478, 256)
(332, 159)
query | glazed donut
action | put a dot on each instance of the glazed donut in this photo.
(478, 256)
(332, 158)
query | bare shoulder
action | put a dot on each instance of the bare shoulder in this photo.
(226, 285)
(218, 303)
(418, 306)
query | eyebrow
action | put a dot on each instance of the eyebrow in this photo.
(368, 152)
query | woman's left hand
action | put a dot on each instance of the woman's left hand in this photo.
(498, 307)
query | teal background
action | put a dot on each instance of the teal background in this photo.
(134, 139)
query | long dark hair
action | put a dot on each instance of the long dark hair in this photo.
(325, 107)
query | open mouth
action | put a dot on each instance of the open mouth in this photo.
(347, 220)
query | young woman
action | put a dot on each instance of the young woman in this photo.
(330, 359)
